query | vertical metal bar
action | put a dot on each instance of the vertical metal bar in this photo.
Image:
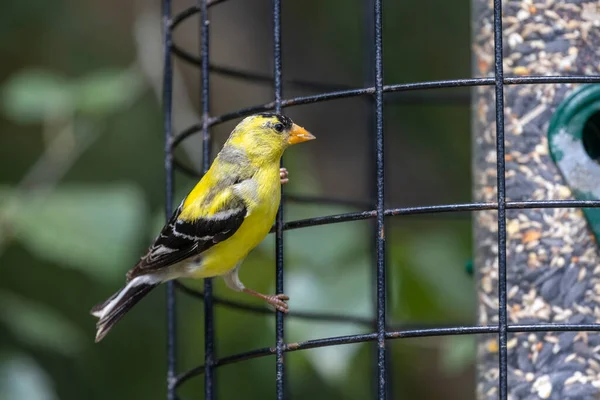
(209, 315)
(277, 88)
(168, 117)
(380, 234)
(369, 80)
(502, 313)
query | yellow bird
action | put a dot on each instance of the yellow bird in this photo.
(226, 215)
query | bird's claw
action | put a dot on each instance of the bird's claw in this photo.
(283, 175)
(276, 300)
(279, 302)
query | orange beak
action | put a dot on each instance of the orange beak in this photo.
(298, 135)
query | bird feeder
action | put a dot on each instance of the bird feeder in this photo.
(552, 148)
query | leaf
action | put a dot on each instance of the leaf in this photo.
(437, 263)
(39, 325)
(410, 298)
(349, 292)
(91, 228)
(106, 91)
(22, 378)
(33, 95)
(459, 352)
(345, 294)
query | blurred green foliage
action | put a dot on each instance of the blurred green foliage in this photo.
(115, 212)
(82, 196)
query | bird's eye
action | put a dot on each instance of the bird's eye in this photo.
(278, 127)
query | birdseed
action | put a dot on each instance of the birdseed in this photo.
(553, 265)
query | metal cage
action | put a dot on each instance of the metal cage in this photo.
(374, 90)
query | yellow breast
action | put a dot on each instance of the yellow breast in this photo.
(262, 209)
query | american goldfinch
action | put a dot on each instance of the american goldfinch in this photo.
(226, 215)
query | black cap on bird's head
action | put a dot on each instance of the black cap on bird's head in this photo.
(280, 118)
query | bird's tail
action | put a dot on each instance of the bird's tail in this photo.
(116, 306)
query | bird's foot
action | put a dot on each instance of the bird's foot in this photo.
(276, 300)
(279, 302)
(283, 175)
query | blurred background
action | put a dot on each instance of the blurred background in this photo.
(82, 195)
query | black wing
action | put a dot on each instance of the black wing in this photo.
(179, 239)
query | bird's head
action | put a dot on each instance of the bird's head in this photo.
(265, 136)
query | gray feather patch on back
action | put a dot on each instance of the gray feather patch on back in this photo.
(231, 155)
(234, 155)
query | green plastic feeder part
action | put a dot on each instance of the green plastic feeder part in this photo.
(574, 141)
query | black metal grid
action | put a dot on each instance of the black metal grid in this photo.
(374, 91)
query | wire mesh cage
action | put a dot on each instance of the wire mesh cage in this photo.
(374, 91)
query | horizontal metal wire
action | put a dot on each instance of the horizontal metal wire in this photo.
(462, 99)
(398, 334)
(294, 198)
(190, 11)
(443, 208)
(315, 316)
(452, 83)
(257, 77)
